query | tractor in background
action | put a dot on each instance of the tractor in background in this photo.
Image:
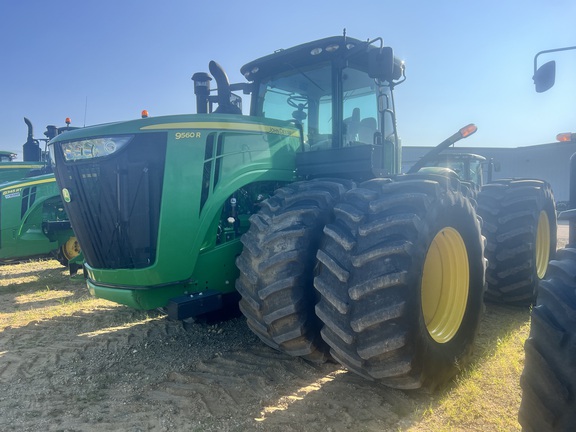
(468, 167)
(300, 209)
(33, 222)
(33, 159)
(549, 378)
(511, 209)
(13, 170)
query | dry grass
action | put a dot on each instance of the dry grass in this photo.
(486, 396)
(41, 290)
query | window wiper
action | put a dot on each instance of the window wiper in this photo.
(305, 76)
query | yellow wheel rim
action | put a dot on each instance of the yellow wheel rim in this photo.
(71, 249)
(542, 244)
(445, 285)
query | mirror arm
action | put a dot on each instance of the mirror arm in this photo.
(549, 51)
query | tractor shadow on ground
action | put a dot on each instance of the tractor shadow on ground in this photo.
(25, 277)
(29, 290)
(498, 321)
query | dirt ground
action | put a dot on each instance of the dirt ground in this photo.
(72, 363)
(113, 368)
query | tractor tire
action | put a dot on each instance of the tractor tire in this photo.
(277, 264)
(471, 191)
(401, 280)
(68, 251)
(519, 223)
(549, 378)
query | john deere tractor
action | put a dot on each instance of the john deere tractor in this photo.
(33, 222)
(299, 207)
(549, 378)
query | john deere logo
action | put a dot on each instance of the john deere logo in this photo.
(66, 195)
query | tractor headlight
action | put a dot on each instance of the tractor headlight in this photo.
(94, 147)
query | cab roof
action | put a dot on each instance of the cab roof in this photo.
(317, 51)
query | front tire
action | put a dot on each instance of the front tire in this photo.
(68, 251)
(520, 229)
(401, 279)
(549, 378)
(277, 263)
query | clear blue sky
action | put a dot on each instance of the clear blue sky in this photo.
(466, 61)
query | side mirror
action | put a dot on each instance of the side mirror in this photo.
(381, 64)
(545, 76)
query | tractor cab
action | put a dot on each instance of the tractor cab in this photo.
(7, 156)
(467, 167)
(337, 91)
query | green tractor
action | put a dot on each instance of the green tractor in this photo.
(468, 167)
(299, 208)
(549, 378)
(12, 170)
(33, 222)
(471, 169)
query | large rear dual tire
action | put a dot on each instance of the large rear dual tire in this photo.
(519, 223)
(381, 321)
(401, 279)
(277, 265)
(549, 378)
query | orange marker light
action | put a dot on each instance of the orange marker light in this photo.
(68, 121)
(466, 131)
(144, 113)
(566, 136)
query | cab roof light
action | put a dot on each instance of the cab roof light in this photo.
(68, 121)
(144, 113)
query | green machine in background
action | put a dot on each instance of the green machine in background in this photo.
(33, 222)
(13, 170)
(33, 159)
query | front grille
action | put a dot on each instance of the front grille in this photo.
(115, 202)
